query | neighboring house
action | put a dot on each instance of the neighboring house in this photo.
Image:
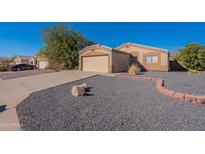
(39, 62)
(25, 60)
(2, 60)
(100, 58)
(42, 63)
(42, 60)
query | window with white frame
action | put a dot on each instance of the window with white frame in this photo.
(151, 59)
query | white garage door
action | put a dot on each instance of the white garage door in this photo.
(43, 64)
(95, 64)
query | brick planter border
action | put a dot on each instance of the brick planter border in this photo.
(196, 99)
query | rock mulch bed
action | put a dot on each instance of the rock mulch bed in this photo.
(111, 104)
(160, 86)
(181, 81)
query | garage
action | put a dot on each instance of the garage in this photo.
(99, 58)
(42, 64)
(96, 58)
(95, 63)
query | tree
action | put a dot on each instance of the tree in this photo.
(192, 56)
(42, 54)
(62, 46)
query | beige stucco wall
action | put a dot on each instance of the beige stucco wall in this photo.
(140, 53)
(164, 59)
(17, 60)
(25, 61)
(32, 61)
(96, 51)
(120, 62)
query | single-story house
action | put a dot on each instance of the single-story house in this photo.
(25, 60)
(39, 62)
(99, 58)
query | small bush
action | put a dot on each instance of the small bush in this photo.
(5, 65)
(4, 68)
(55, 65)
(192, 57)
(133, 69)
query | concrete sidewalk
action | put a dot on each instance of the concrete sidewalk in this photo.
(13, 91)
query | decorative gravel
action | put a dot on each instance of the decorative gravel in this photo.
(182, 81)
(111, 104)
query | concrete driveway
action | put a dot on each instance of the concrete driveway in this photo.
(13, 91)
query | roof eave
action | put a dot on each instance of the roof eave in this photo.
(93, 46)
(129, 43)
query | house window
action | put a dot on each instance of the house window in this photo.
(151, 59)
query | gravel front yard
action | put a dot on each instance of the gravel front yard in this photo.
(182, 81)
(111, 104)
(18, 74)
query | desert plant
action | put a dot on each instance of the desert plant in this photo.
(4, 68)
(6, 65)
(55, 65)
(133, 69)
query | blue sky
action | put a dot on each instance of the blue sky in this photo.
(25, 38)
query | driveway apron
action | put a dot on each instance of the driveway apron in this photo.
(14, 91)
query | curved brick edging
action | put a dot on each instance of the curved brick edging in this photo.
(171, 93)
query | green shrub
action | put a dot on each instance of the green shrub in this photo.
(3, 68)
(192, 57)
(55, 65)
(133, 69)
(6, 65)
